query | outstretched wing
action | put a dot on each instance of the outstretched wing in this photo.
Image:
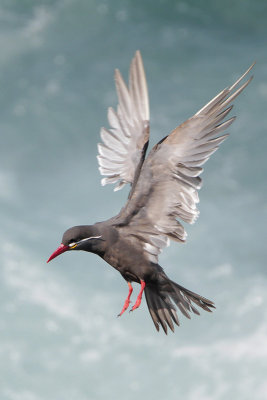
(122, 152)
(167, 188)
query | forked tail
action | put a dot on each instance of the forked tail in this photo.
(161, 304)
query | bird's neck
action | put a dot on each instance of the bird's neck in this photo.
(95, 245)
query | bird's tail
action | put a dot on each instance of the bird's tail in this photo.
(161, 304)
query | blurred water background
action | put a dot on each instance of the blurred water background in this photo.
(59, 335)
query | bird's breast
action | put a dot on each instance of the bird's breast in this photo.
(127, 259)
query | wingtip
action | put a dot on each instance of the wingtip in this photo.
(249, 68)
(103, 182)
(242, 77)
(252, 65)
(117, 74)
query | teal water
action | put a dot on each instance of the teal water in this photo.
(59, 335)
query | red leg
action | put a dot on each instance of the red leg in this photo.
(127, 301)
(139, 297)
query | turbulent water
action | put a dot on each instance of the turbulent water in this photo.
(59, 335)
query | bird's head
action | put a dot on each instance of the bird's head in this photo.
(82, 237)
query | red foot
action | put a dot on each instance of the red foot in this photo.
(139, 297)
(127, 301)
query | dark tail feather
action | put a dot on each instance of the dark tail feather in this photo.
(162, 309)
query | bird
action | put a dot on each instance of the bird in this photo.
(163, 193)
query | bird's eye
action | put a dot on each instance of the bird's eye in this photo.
(72, 242)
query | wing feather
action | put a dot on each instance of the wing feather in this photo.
(124, 145)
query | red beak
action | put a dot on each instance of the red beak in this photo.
(58, 251)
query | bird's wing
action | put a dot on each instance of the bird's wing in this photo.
(122, 152)
(167, 188)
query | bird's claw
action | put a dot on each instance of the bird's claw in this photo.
(126, 305)
(136, 305)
